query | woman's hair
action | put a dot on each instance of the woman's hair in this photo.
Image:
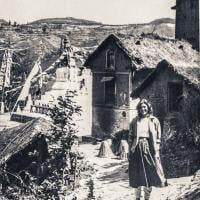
(144, 101)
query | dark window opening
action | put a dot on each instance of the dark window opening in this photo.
(175, 92)
(124, 114)
(110, 92)
(198, 113)
(110, 60)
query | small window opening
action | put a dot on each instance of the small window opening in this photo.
(110, 92)
(175, 94)
(110, 60)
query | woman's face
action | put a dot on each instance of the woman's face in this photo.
(143, 110)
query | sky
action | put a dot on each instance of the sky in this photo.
(105, 11)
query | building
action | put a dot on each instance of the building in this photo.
(187, 21)
(118, 65)
(174, 91)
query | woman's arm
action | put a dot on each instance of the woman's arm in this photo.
(156, 131)
(158, 135)
(131, 132)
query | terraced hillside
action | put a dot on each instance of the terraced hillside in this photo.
(31, 41)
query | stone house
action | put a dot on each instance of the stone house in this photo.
(174, 91)
(118, 66)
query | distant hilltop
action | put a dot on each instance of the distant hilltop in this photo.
(3, 21)
(163, 21)
(75, 21)
(67, 20)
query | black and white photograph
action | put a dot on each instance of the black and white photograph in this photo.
(99, 99)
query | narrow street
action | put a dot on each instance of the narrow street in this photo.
(110, 180)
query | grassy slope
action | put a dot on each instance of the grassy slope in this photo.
(86, 35)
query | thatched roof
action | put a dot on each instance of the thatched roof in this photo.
(148, 50)
(15, 139)
(191, 75)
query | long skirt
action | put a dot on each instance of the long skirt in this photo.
(143, 170)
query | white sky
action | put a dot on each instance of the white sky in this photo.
(105, 11)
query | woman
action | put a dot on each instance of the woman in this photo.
(145, 169)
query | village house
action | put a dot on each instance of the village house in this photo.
(174, 91)
(119, 65)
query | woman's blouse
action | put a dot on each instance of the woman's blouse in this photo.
(143, 127)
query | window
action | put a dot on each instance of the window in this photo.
(198, 112)
(175, 94)
(110, 92)
(110, 60)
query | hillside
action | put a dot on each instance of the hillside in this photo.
(162, 21)
(67, 20)
(76, 21)
(92, 36)
(29, 40)
(85, 33)
(2, 21)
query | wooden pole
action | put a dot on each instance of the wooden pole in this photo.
(3, 87)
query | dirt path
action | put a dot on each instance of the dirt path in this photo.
(109, 181)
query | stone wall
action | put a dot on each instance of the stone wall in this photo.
(157, 92)
(109, 121)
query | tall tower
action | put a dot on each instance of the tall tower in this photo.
(187, 21)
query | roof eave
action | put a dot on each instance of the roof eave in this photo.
(136, 92)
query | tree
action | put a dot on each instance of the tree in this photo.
(62, 139)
